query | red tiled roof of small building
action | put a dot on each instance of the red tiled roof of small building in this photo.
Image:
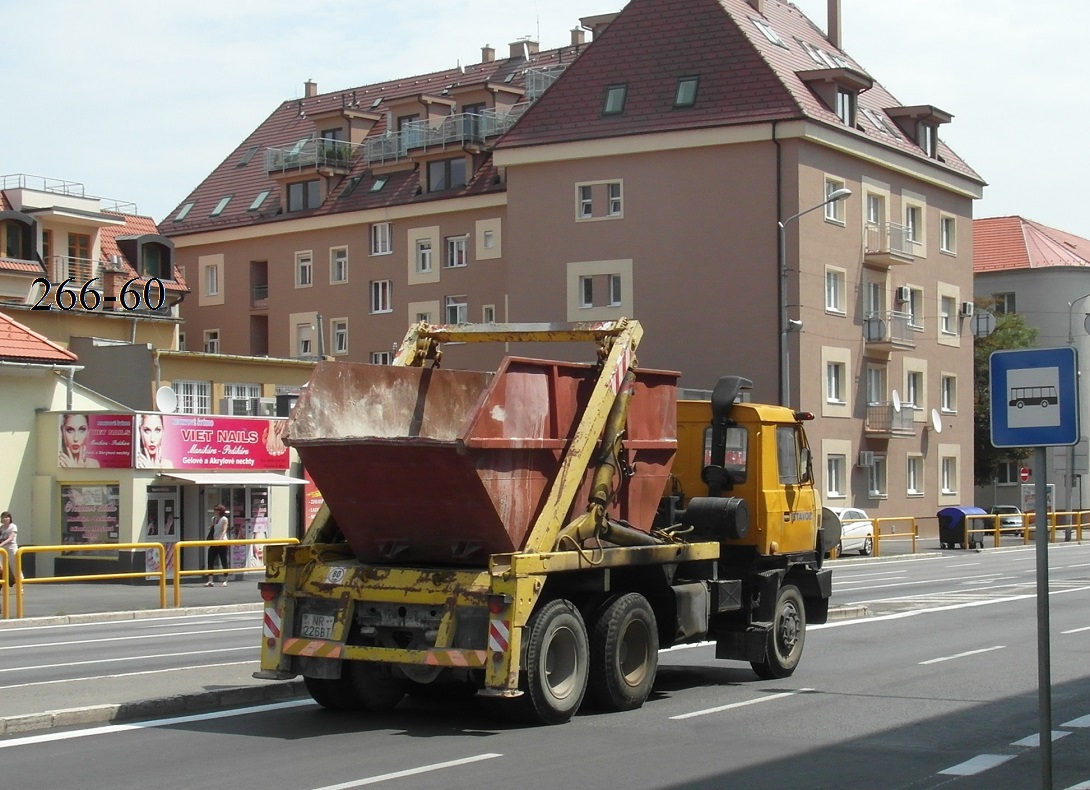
(20, 344)
(1002, 243)
(744, 77)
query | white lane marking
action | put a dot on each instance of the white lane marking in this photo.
(934, 609)
(1033, 741)
(1079, 565)
(143, 622)
(372, 780)
(721, 708)
(51, 737)
(981, 577)
(1076, 630)
(977, 765)
(1082, 721)
(130, 658)
(1080, 786)
(254, 627)
(961, 655)
(965, 565)
(251, 662)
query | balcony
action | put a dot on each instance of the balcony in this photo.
(885, 419)
(887, 244)
(889, 331)
(259, 297)
(461, 130)
(80, 270)
(311, 154)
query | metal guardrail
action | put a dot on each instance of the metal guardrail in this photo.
(161, 573)
(877, 537)
(1077, 519)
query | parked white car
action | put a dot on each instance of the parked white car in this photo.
(1010, 517)
(857, 531)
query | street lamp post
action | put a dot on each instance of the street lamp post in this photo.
(786, 325)
(1071, 476)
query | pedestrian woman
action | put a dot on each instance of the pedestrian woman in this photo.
(9, 542)
(218, 553)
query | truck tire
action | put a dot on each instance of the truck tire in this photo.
(373, 687)
(786, 637)
(624, 653)
(332, 693)
(557, 662)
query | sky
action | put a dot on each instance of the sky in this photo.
(139, 100)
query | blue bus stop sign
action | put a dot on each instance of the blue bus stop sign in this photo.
(1034, 397)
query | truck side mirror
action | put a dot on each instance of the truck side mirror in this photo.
(806, 474)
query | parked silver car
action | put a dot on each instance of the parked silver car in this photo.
(857, 531)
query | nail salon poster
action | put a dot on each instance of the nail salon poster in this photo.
(194, 441)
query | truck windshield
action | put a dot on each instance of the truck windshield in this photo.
(787, 454)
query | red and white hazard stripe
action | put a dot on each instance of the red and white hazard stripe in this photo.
(271, 627)
(620, 369)
(499, 635)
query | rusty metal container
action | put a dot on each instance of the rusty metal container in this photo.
(421, 465)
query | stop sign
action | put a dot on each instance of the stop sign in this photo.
(1023, 474)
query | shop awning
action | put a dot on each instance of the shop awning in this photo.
(235, 478)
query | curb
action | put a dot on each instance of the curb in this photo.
(139, 614)
(180, 704)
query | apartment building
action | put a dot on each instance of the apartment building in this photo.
(1042, 273)
(690, 167)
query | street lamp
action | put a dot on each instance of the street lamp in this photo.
(1071, 476)
(786, 325)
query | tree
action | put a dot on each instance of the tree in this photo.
(1011, 332)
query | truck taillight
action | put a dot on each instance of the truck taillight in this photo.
(804, 415)
(269, 590)
(497, 603)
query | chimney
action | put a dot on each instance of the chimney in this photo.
(310, 88)
(523, 49)
(834, 24)
(578, 37)
(758, 5)
(488, 54)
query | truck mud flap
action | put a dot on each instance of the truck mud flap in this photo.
(816, 588)
(749, 645)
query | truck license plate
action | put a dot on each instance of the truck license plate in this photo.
(317, 626)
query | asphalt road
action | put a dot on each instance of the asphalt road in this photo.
(937, 688)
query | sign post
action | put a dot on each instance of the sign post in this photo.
(1034, 402)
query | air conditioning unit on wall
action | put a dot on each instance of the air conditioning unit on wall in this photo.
(866, 458)
(967, 309)
(903, 293)
(236, 407)
(263, 407)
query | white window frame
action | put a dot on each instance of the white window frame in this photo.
(876, 478)
(338, 265)
(876, 384)
(949, 474)
(211, 341)
(239, 391)
(615, 290)
(457, 251)
(914, 223)
(914, 385)
(836, 465)
(488, 314)
(488, 239)
(915, 308)
(914, 479)
(211, 280)
(382, 296)
(616, 202)
(834, 210)
(304, 269)
(423, 256)
(847, 104)
(948, 307)
(586, 291)
(948, 394)
(381, 238)
(835, 286)
(948, 234)
(382, 357)
(456, 309)
(834, 382)
(586, 201)
(338, 334)
(194, 397)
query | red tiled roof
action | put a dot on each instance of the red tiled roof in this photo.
(135, 225)
(744, 77)
(1001, 243)
(20, 344)
(21, 266)
(286, 126)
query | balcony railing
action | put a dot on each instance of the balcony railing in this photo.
(458, 130)
(889, 330)
(538, 80)
(311, 154)
(887, 244)
(81, 270)
(887, 419)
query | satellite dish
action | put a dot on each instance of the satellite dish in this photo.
(936, 422)
(166, 400)
(896, 402)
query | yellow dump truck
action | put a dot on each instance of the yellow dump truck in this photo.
(538, 533)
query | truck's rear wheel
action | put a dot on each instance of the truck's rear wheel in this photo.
(624, 653)
(785, 639)
(332, 693)
(374, 687)
(555, 676)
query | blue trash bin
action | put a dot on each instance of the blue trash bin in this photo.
(952, 527)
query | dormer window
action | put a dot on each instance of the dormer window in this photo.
(921, 124)
(686, 91)
(156, 261)
(845, 106)
(839, 88)
(927, 137)
(446, 174)
(615, 96)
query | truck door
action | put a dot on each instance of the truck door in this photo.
(796, 493)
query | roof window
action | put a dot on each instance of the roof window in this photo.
(247, 155)
(184, 211)
(769, 33)
(379, 184)
(685, 96)
(221, 206)
(615, 96)
(259, 200)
